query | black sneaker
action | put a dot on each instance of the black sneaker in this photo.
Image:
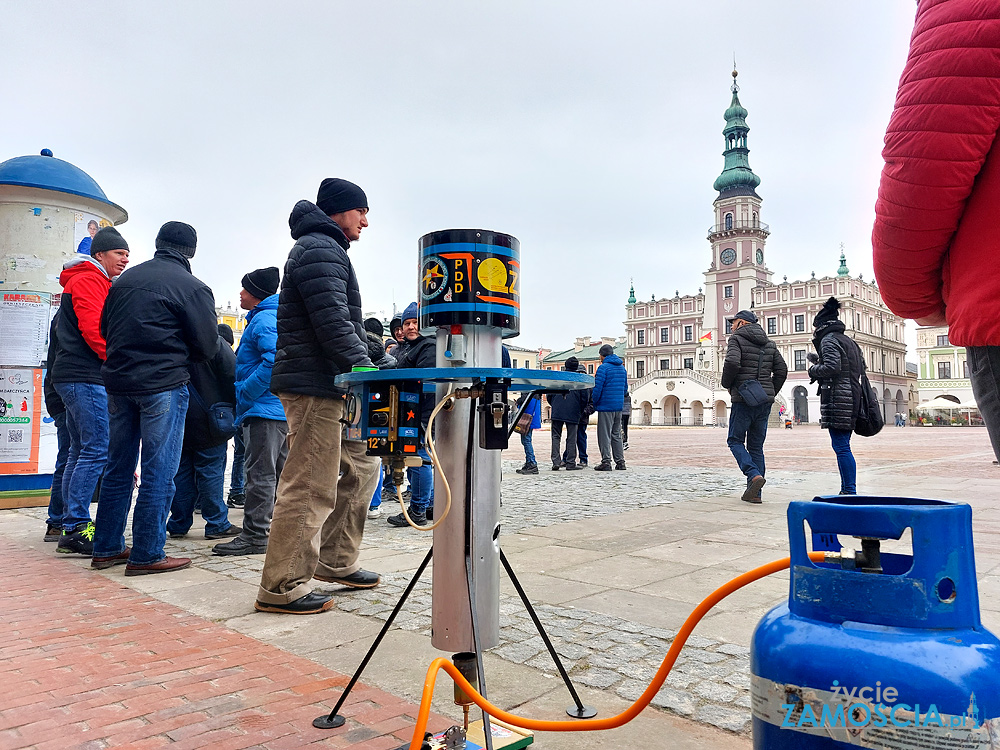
(233, 530)
(310, 604)
(582, 464)
(407, 495)
(556, 467)
(399, 520)
(236, 499)
(239, 546)
(603, 467)
(79, 541)
(359, 579)
(620, 466)
(53, 533)
(526, 469)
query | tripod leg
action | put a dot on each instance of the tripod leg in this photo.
(487, 732)
(334, 719)
(577, 711)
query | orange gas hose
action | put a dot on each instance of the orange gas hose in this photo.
(588, 725)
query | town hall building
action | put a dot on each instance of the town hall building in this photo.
(675, 347)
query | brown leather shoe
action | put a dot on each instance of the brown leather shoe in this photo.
(165, 565)
(102, 563)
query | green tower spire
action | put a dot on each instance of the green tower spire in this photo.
(737, 178)
(631, 294)
(843, 270)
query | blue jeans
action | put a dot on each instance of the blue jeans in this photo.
(581, 440)
(87, 423)
(377, 497)
(201, 475)
(529, 451)
(237, 480)
(841, 440)
(157, 420)
(421, 479)
(56, 495)
(747, 431)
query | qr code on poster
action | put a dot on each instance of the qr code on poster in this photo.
(15, 436)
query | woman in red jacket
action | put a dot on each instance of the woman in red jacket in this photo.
(935, 238)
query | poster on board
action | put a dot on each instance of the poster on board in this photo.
(84, 230)
(20, 419)
(24, 328)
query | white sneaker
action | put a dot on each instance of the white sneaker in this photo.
(375, 512)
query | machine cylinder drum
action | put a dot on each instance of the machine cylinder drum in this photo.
(879, 649)
(470, 277)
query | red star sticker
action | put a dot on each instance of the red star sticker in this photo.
(409, 415)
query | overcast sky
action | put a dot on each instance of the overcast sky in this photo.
(590, 131)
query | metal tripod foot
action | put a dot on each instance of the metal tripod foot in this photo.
(334, 719)
(577, 710)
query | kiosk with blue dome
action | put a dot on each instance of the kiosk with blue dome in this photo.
(49, 211)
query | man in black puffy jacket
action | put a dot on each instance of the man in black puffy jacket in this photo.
(158, 319)
(319, 519)
(750, 355)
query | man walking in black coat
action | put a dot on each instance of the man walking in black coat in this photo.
(326, 482)
(158, 319)
(751, 355)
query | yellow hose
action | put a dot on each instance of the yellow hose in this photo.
(589, 725)
(450, 397)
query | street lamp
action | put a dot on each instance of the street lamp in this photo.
(881, 347)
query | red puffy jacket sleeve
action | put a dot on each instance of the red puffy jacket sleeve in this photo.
(945, 121)
(89, 292)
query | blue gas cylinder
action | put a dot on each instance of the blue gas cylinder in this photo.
(878, 650)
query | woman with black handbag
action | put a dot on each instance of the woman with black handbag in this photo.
(838, 369)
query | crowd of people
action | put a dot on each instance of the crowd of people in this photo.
(146, 391)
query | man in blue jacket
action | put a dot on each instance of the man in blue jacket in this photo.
(610, 384)
(258, 412)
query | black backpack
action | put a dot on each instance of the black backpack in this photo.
(869, 420)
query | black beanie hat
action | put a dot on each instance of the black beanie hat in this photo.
(395, 324)
(107, 239)
(374, 325)
(572, 364)
(746, 315)
(336, 196)
(176, 235)
(829, 311)
(226, 332)
(261, 283)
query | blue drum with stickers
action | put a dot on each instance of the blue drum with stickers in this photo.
(877, 649)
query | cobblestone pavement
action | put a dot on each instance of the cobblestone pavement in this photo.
(615, 561)
(709, 682)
